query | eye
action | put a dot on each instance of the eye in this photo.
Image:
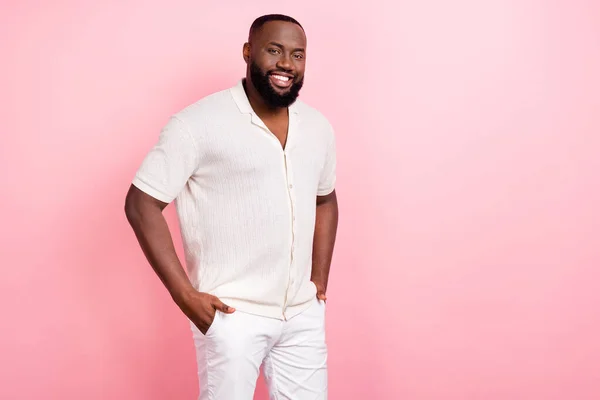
(298, 56)
(273, 51)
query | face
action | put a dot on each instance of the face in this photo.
(276, 59)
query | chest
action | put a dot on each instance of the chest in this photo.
(279, 128)
(265, 154)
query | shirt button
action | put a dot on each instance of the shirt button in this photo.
(291, 186)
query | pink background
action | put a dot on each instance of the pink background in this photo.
(468, 255)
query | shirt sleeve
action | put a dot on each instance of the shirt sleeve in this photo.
(328, 173)
(169, 164)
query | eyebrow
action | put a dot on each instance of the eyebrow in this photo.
(281, 47)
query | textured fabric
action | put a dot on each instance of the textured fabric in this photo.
(293, 354)
(246, 206)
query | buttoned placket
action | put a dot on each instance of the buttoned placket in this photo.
(292, 122)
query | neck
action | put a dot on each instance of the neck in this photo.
(258, 104)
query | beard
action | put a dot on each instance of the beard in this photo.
(263, 86)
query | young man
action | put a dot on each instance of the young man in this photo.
(252, 173)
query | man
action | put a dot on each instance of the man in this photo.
(252, 173)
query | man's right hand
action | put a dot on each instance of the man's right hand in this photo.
(201, 308)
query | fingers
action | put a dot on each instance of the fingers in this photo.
(321, 296)
(219, 305)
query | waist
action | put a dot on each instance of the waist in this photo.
(281, 297)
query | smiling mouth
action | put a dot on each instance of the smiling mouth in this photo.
(282, 81)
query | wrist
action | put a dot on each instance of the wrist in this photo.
(181, 295)
(320, 285)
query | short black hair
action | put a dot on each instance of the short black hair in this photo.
(260, 21)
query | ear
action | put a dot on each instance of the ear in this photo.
(246, 52)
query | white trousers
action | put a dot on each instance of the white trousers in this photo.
(292, 353)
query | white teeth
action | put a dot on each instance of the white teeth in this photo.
(281, 78)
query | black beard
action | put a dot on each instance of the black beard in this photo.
(269, 95)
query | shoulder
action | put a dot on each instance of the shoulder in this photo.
(209, 109)
(315, 120)
(312, 115)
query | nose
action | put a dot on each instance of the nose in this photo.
(285, 63)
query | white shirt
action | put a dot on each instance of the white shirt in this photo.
(246, 206)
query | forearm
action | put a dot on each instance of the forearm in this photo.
(154, 238)
(324, 239)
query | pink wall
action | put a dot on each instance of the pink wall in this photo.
(468, 251)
